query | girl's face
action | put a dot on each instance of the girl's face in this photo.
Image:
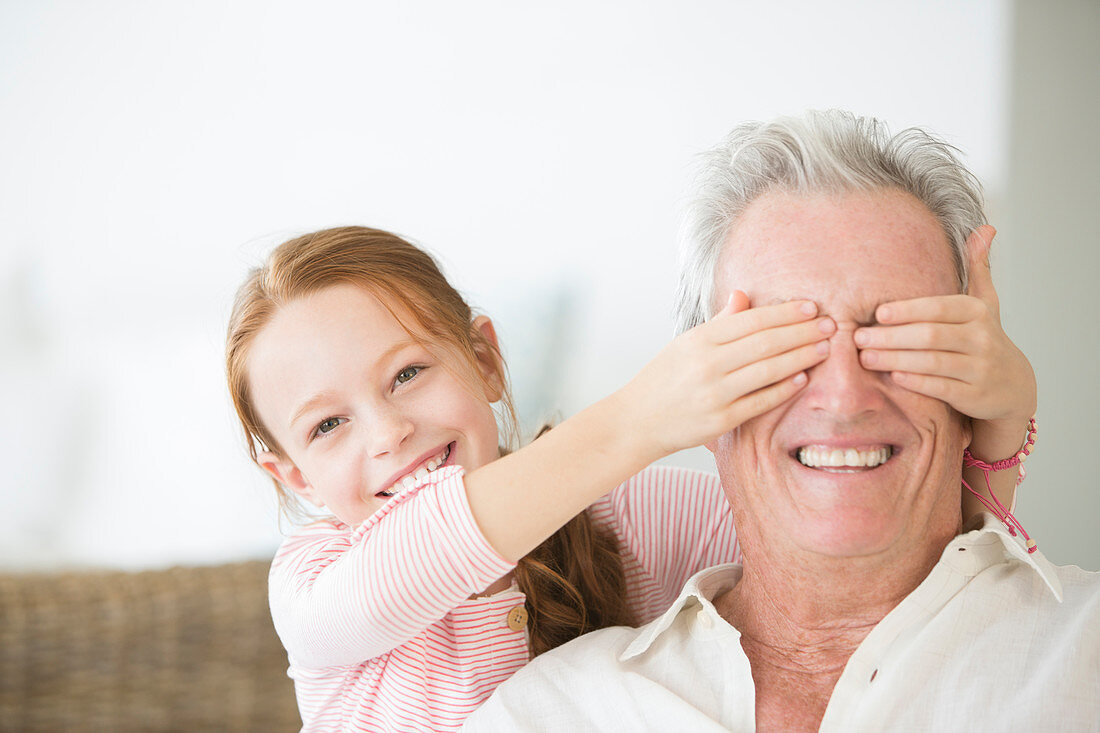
(359, 407)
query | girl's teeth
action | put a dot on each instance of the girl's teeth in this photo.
(434, 463)
(418, 475)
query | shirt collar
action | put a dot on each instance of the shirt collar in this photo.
(701, 589)
(989, 543)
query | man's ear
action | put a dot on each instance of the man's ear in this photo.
(489, 360)
(286, 473)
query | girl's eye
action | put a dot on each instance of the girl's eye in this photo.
(407, 374)
(327, 426)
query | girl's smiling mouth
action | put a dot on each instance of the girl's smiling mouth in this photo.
(411, 477)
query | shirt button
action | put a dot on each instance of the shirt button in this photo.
(517, 618)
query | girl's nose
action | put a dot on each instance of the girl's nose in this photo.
(388, 430)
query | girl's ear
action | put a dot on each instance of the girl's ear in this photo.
(489, 360)
(287, 474)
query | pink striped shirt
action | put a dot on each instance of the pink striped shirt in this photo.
(378, 622)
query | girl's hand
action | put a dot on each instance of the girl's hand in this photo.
(741, 363)
(953, 348)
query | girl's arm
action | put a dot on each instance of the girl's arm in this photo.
(741, 363)
(341, 597)
(953, 348)
(993, 441)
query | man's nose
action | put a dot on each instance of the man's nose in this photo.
(388, 430)
(840, 385)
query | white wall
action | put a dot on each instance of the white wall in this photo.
(151, 152)
(1052, 261)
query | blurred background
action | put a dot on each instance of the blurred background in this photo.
(152, 152)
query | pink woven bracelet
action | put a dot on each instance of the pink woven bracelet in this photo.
(1016, 460)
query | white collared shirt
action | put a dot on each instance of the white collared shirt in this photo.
(994, 639)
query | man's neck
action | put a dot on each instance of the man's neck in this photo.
(801, 620)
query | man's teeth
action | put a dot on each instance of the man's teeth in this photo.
(418, 475)
(817, 457)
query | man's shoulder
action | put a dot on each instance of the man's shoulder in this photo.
(624, 678)
(1041, 612)
(1068, 586)
(551, 691)
(1079, 586)
(582, 654)
(999, 559)
(1078, 576)
(1073, 613)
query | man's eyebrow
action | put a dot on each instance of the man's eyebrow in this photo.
(780, 300)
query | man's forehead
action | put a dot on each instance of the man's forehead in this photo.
(846, 252)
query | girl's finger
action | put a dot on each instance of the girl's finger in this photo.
(960, 338)
(959, 395)
(978, 245)
(760, 374)
(728, 326)
(937, 308)
(738, 301)
(932, 363)
(774, 341)
(767, 398)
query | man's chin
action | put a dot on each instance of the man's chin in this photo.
(846, 533)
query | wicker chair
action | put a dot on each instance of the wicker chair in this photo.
(185, 649)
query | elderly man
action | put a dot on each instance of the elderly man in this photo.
(861, 603)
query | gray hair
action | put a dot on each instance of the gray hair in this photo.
(820, 152)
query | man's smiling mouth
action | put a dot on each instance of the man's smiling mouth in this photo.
(844, 460)
(410, 479)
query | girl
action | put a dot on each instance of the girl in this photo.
(364, 386)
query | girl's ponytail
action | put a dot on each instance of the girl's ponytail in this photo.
(574, 584)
